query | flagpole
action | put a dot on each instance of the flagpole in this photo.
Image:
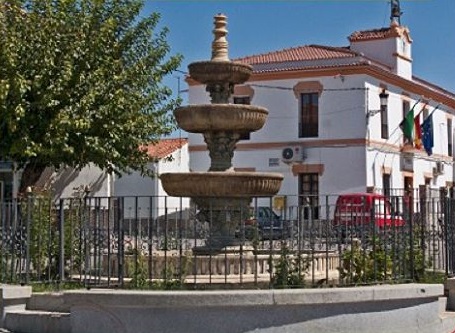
(435, 108)
(412, 109)
(421, 110)
(415, 104)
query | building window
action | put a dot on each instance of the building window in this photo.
(243, 100)
(384, 123)
(309, 195)
(406, 108)
(449, 137)
(386, 184)
(309, 115)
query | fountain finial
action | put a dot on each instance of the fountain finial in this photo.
(220, 44)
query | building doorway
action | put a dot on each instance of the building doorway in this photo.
(408, 184)
(408, 197)
(309, 195)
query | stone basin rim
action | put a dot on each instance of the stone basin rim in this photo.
(219, 64)
(207, 72)
(222, 184)
(227, 174)
(223, 107)
(220, 117)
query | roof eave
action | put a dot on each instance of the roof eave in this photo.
(428, 91)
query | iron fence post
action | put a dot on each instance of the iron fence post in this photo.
(13, 226)
(166, 241)
(411, 242)
(27, 245)
(182, 269)
(61, 239)
(373, 228)
(448, 249)
(121, 243)
(86, 233)
(135, 234)
(150, 240)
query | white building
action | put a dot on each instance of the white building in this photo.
(144, 197)
(326, 131)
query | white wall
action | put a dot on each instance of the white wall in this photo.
(342, 116)
(151, 200)
(379, 49)
(137, 191)
(135, 184)
(384, 51)
(68, 182)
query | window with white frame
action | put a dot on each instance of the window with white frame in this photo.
(384, 122)
(309, 115)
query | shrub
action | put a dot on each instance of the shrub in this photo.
(290, 269)
(365, 265)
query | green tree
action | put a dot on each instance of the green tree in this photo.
(81, 82)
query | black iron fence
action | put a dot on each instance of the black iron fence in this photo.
(281, 242)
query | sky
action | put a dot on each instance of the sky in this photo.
(263, 26)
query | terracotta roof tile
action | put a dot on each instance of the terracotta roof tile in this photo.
(300, 53)
(303, 57)
(370, 34)
(165, 147)
(395, 30)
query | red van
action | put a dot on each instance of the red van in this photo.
(359, 210)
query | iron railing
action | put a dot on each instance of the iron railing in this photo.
(129, 242)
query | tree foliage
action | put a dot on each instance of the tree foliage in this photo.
(81, 82)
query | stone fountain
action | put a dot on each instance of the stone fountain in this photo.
(222, 195)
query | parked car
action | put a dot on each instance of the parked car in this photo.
(264, 223)
(361, 213)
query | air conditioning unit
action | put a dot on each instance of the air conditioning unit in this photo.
(439, 170)
(292, 154)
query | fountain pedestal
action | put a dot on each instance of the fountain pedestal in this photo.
(224, 214)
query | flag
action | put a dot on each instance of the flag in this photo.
(427, 133)
(417, 132)
(418, 129)
(407, 125)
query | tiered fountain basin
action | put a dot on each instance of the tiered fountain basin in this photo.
(221, 117)
(212, 72)
(222, 195)
(221, 184)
